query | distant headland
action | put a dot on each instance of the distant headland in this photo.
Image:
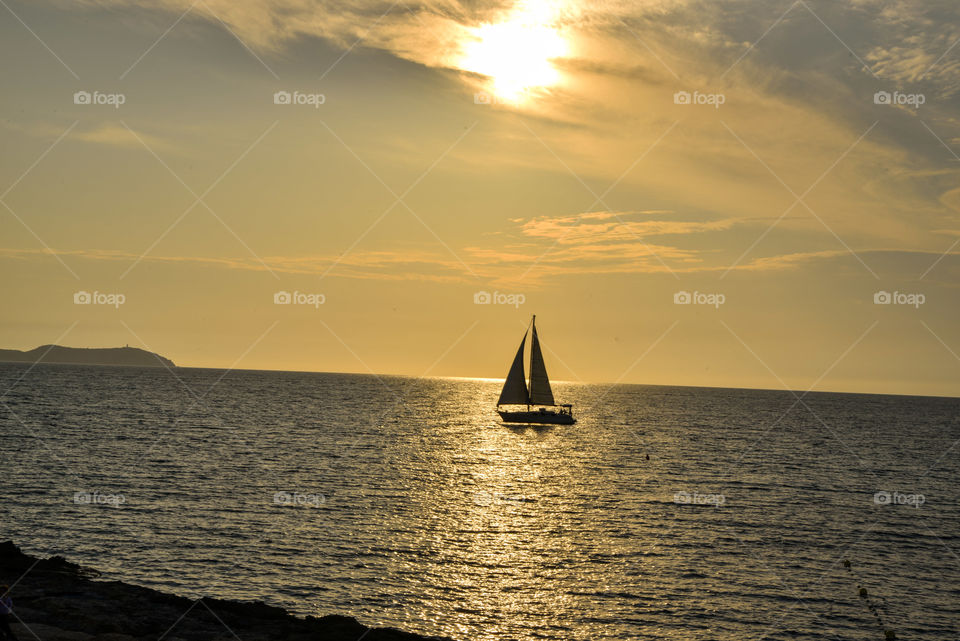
(129, 356)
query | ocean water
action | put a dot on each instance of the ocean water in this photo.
(664, 513)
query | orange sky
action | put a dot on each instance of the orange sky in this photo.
(587, 163)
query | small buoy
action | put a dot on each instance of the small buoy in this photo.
(889, 635)
(863, 593)
(846, 563)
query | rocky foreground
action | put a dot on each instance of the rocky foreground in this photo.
(55, 600)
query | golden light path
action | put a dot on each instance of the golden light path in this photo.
(516, 53)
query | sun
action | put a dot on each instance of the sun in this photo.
(516, 54)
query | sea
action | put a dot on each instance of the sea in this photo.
(665, 513)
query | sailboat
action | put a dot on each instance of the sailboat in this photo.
(537, 397)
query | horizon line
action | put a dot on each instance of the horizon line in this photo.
(494, 379)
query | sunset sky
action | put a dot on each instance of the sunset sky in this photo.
(595, 159)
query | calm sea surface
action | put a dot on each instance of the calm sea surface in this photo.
(404, 502)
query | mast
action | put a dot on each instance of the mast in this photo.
(539, 390)
(533, 325)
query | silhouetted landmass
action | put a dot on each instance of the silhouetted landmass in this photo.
(130, 356)
(56, 600)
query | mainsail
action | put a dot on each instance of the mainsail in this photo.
(514, 390)
(540, 392)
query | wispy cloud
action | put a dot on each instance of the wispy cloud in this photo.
(594, 251)
(107, 133)
(916, 42)
(119, 136)
(602, 227)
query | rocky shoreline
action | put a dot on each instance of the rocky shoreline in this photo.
(56, 600)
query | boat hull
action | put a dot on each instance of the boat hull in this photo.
(545, 417)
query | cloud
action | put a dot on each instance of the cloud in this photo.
(110, 134)
(951, 199)
(652, 41)
(119, 136)
(530, 264)
(593, 242)
(790, 261)
(599, 227)
(798, 104)
(915, 39)
(379, 265)
(414, 31)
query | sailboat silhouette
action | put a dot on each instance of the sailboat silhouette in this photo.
(537, 394)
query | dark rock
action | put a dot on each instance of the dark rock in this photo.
(64, 600)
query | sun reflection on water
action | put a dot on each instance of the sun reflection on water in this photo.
(504, 527)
